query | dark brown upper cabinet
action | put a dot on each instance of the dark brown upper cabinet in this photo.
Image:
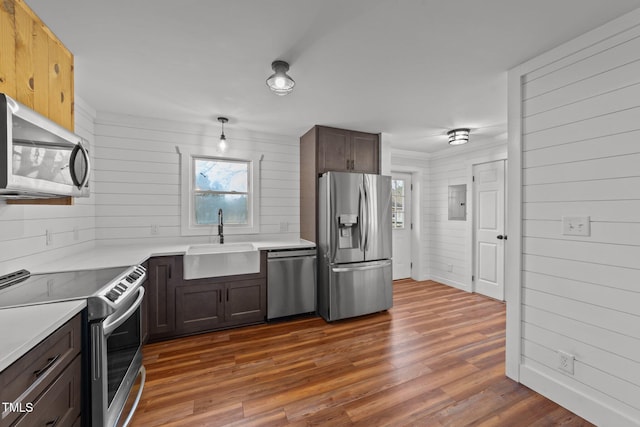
(324, 149)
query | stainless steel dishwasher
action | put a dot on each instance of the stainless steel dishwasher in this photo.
(291, 282)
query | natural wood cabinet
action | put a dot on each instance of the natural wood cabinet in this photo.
(45, 383)
(179, 307)
(36, 69)
(324, 149)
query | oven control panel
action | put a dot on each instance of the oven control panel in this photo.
(130, 280)
(124, 285)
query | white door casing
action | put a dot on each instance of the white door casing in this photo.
(402, 225)
(489, 228)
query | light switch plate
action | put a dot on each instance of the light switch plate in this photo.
(576, 225)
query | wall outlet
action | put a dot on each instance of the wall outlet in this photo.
(450, 268)
(76, 233)
(576, 225)
(155, 229)
(48, 237)
(284, 227)
(565, 361)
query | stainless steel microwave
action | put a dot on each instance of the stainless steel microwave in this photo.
(39, 158)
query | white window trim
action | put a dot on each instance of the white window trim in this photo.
(188, 227)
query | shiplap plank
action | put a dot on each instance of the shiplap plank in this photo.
(134, 188)
(623, 233)
(136, 177)
(117, 199)
(603, 296)
(139, 210)
(608, 146)
(601, 253)
(610, 189)
(127, 165)
(612, 320)
(623, 278)
(17, 229)
(604, 168)
(136, 221)
(611, 363)
(597, 127)
(598, 84)
(599, 62)
(616, 388)
(594, 335)
(132, 154)
(606, 210)
(136, 232)
(607, 103)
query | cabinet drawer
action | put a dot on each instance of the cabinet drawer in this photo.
(59, 405)
(29, 376)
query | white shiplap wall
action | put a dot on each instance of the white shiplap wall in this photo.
(450, 242)
(23, 227)
(137, 178)
(580, 114)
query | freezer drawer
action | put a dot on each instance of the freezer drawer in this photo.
(356, 289)
(291, 283)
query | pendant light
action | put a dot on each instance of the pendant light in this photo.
(222, 145)
(280, 82)
(458, 136)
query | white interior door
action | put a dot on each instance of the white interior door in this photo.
(489, 224)
(401, 224)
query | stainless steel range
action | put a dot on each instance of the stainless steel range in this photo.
(113, 340)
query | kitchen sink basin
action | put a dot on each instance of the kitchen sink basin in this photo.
(215, 260)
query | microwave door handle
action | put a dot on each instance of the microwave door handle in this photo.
(111, 325)
(88, 160)
(79, 148)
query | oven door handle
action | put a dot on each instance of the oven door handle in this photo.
(111, 325)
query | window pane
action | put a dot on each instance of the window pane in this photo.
(234, 207)
(219, 175)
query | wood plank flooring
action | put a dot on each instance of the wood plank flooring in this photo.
(435, 359)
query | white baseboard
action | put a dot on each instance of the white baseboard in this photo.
(452, 283)
(583, 405)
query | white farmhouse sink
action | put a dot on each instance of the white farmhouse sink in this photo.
(217, 260)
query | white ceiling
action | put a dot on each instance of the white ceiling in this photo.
(412, 69)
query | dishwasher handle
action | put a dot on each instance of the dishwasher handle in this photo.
(291, 253)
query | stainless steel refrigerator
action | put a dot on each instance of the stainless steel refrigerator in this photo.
(354, 244)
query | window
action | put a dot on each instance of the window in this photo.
(210, 183)
(397, 203)
(221, 184)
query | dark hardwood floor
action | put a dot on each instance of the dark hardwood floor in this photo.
(435, 359)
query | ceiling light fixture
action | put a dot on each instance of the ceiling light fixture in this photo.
(279, 82)
(458, 136)
(222, 145)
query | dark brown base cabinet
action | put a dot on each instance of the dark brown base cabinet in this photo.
(179, 307)
(44, 385)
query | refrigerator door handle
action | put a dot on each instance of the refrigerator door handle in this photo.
(371, 266)
(361, 225)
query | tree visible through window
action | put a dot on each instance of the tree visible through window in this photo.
(221, 184)
(397, 203)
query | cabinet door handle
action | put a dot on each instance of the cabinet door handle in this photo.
(220, 297)
(227, 295)
(347, 164)
(170, 271)
(352, 165)
(53, 423)
(45, 368)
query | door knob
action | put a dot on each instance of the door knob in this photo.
(500, 237)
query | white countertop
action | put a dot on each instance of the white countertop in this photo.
(22, 328)
(116, 256)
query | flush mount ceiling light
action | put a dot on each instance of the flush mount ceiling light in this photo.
(222, 145)
(279, 82)
(458, 136)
